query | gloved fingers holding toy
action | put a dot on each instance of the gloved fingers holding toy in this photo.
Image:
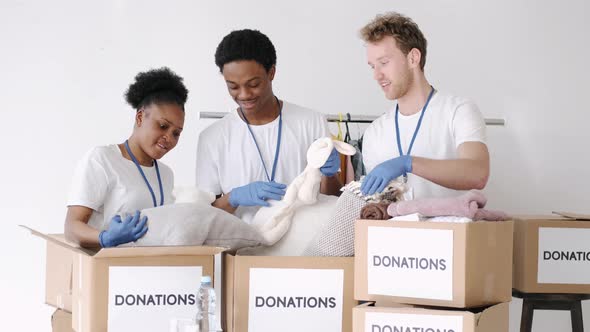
(332, 165)
(256, 194)
(123, 230)
(384, 173)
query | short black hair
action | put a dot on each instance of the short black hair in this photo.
(160, 85)
(246, 44)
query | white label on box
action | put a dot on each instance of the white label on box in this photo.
(294, 300)
(410, 262)
(396, 322)
(148, 298)
(564, 256)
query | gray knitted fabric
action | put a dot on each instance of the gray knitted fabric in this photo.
(336, 238)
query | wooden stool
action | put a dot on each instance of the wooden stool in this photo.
(545, 301)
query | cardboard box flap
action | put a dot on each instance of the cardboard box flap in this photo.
(574, 216)
(60, 240)
(419, 309)
(526, 217)
(159, 251)
(493, 318)
(389, 304)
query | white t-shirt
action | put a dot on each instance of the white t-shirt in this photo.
(109, 184)
(448, 122)
(227, 156)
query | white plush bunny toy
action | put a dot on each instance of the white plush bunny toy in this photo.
(274, 221)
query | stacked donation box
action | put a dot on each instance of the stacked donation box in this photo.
(552, 254)
(123, 288)
(432, 276)
(551, 264)
(287, 293)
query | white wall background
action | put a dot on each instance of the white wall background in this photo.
(64, 66)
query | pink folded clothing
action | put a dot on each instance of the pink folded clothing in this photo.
(465, 205)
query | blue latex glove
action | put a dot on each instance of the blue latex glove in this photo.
(256, 194)
(123, 231)
(332, 165)
(388, 170)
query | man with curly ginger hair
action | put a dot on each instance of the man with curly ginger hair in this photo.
(436, 141)
(250, 155)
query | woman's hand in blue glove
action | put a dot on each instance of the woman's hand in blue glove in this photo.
(123, 231)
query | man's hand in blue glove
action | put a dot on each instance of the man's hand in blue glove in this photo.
(256, 194)
(388, 170)
(332, 165)
(123, 231)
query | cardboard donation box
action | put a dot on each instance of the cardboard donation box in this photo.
(405, 318)
(135, 288)
(288, 294)
(445, 264)
(552, 254)
(61, 321)
(58, 272)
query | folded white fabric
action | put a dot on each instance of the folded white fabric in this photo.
(450, 219)
(419, 217)
(409, 217)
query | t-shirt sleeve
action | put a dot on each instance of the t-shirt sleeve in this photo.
(90, 182)
(468, 124)
(207, 174)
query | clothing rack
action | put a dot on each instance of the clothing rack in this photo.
(346, 118)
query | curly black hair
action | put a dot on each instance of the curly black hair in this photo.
(246, 45)
(160, 85)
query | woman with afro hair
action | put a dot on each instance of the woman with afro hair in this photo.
(113, 182)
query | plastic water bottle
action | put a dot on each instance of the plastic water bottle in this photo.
(206, 305)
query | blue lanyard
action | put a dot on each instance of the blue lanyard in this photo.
(399, 144)
(145, 178)
(274, 165)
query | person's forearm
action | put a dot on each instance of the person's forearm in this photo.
(223, 203)
(458, 174)
(330, 185)
(81, 233)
